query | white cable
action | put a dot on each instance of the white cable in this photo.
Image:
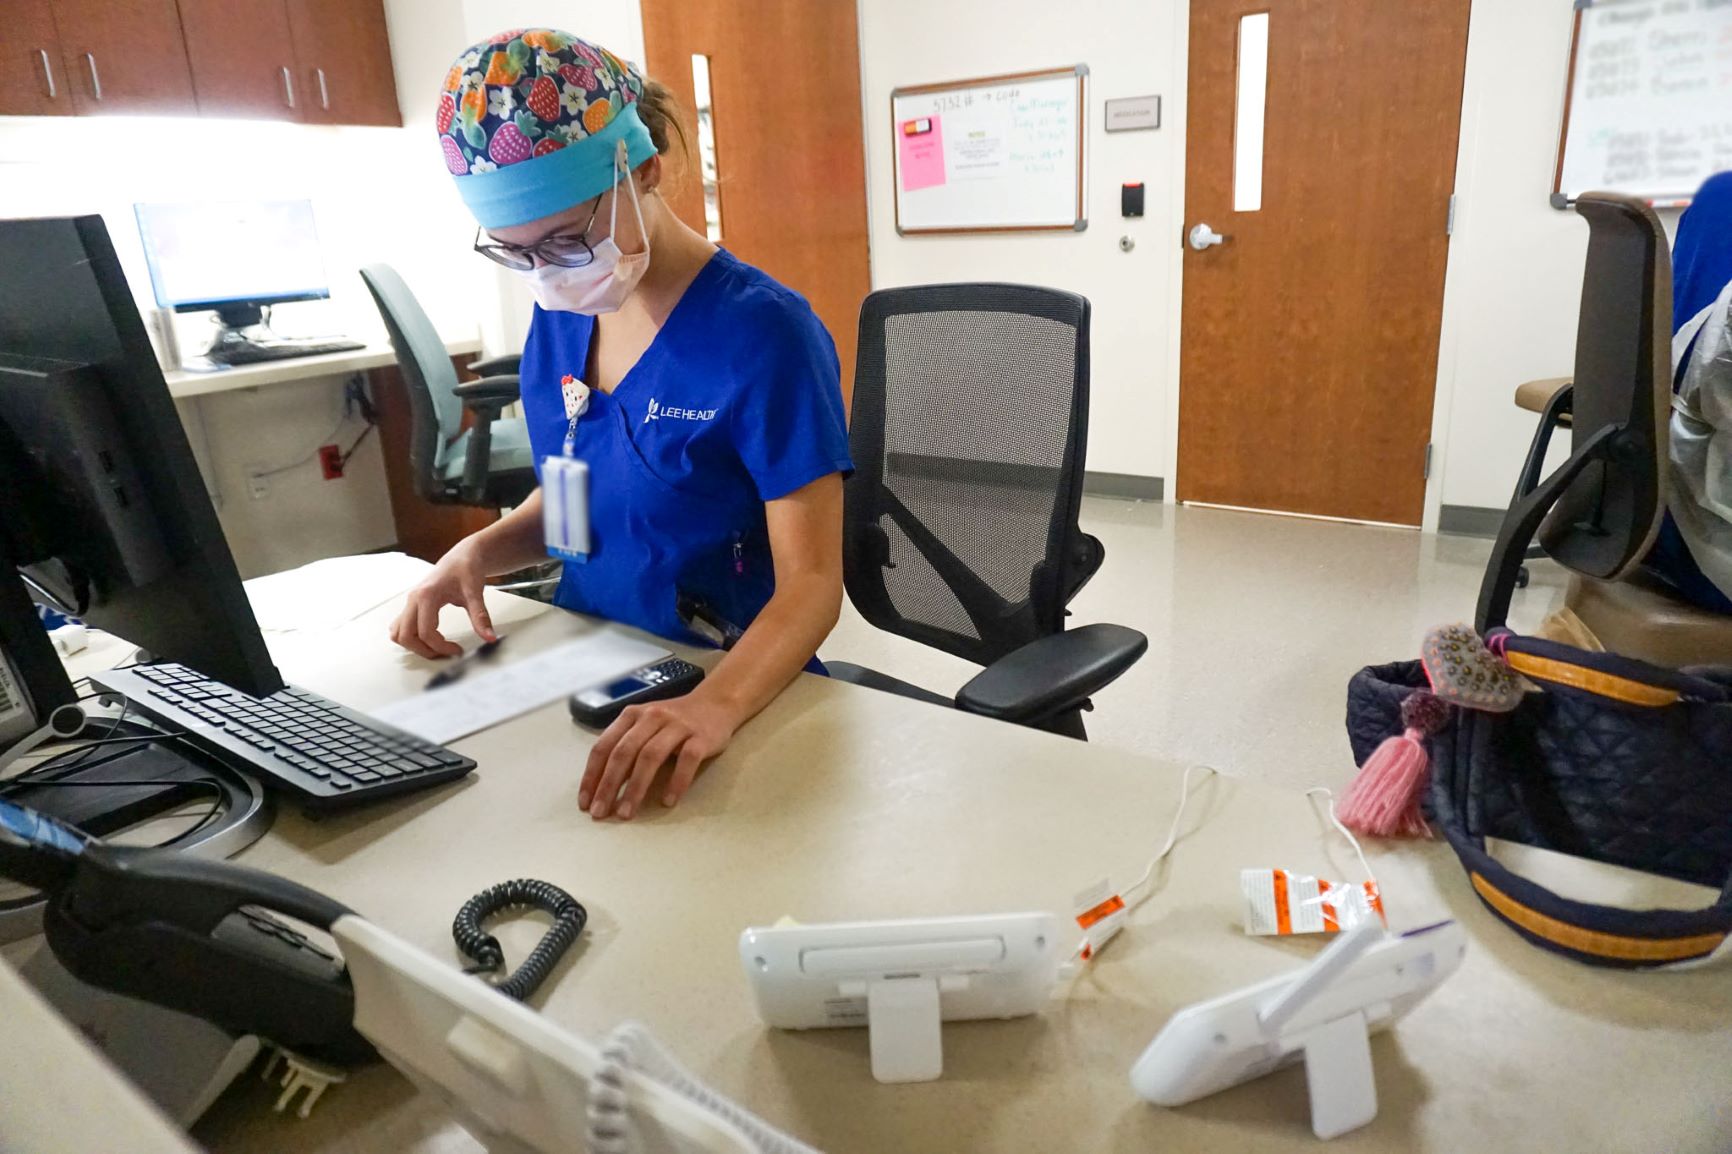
(632, 1047)
(1172, 838)
(1345, 832)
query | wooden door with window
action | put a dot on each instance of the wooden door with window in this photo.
(1310, 332)
(125, 56)
(783, 113)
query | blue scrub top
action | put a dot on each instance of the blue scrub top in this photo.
(736, 402)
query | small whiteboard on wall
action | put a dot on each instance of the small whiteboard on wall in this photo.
(1000, 154)
(1649, 107)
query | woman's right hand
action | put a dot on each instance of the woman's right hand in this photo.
(458, 579)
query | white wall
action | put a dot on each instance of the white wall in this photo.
(1515, 266)
(1129, 49)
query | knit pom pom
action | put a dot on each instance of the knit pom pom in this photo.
(1384, 799)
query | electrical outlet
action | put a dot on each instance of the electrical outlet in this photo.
(258, 485)
(331, 461)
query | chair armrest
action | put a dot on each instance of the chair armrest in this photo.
(1535, 395)
(505, 366)
(491, 391)
(1052, 675)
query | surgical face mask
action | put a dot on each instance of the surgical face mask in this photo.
(603, 284)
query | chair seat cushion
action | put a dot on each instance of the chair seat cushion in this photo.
(509, 451)
(1638, 617)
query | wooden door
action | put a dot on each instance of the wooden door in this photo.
(1310, 336)
(790, 157)
(243, 60)
(32, 77)
(345, 62)
(125, 56)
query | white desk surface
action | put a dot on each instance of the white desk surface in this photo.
(840, 803)
(183, 385)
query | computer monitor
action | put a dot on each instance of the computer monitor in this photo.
(233, 257)
(102, 505)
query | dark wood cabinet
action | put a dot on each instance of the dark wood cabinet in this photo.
(344, 53)
(314, 61)
(243, 59)
(32, 75)
(125, 56)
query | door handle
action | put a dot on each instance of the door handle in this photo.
(288, 87)
(1203, 238)
(47, 72)
(324, 93)
(95, 78)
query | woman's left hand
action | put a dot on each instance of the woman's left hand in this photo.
(631, 753)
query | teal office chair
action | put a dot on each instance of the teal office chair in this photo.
(490, 463)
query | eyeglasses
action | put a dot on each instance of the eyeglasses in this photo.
(570, 250)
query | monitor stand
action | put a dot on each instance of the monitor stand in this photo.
(243, 325)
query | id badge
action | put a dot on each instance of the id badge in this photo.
(565, 508)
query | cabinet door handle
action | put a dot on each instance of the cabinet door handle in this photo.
(288, 88)
(47, 72)
(324, 93)
(95, 77)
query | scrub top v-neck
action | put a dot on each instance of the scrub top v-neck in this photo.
(736, 402)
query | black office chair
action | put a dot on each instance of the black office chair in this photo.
(1598, 513)
(960, 528)
(489, 464)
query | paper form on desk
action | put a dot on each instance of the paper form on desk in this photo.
(332, 592)
(485, 697)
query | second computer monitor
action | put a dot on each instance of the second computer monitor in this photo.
(234, 257)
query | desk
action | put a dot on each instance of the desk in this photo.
(183, 385)
(840, 802)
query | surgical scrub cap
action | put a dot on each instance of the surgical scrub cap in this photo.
(531, 122)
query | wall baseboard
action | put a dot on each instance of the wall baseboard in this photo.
(1470, 520)
(1124, 486)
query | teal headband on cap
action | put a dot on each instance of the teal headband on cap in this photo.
(531, 122)
(553, 182)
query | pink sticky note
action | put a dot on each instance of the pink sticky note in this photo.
(921, 145)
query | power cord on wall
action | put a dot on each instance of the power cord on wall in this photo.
(356, 402)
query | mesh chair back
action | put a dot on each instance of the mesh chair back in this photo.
(968, 434)
(1606, 521)
(435, 413)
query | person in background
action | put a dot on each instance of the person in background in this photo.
(1694, 549)
(704, 397)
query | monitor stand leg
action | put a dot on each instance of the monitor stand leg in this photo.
(1339, 1075)
(907, 1034)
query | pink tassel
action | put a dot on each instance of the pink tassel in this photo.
(1384, 799)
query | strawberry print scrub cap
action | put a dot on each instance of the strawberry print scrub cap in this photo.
(531, 122)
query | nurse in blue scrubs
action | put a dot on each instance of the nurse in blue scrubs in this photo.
(704, 398)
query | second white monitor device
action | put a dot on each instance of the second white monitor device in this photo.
(901, 979)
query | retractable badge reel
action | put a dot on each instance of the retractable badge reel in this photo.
(565, 484)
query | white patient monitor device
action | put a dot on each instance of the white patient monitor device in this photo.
(1324, 1014)
(900, 979)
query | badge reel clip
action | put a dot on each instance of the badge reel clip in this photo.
(565, 484)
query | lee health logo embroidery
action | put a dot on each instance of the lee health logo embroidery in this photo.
(657, 412)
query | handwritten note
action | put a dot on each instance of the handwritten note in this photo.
(922, 152)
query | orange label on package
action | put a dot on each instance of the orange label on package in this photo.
(1279, 903)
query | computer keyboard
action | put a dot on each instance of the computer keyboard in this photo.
(326, 755)
(256, 354)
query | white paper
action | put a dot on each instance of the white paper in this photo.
(490, 694)
(326, 594)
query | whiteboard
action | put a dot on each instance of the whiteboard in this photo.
(1649, 110)
(1000, 154)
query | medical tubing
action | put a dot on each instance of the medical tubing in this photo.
(476, 943)
(632, 1047)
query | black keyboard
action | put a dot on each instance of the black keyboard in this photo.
(323, 753)
(257, 354)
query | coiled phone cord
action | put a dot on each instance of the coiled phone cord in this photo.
(476, 943)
